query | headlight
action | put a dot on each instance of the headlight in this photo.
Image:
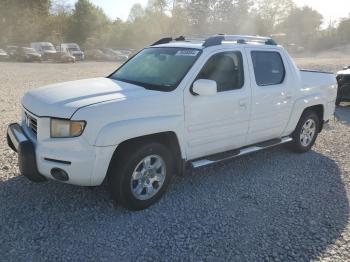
(66, 128)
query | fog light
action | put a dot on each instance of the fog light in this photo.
(59, 174)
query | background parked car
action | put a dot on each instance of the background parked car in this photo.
(63, 57)
(73, 49)
(294, 48)
(11, 50)
(26, 54)
(3, 55)
(127, 52)
(96, 55)
(343, 78)
(114, 55)
(123, 55)
(45, 49)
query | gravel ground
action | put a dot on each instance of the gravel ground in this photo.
(332, 63)
(269, 206)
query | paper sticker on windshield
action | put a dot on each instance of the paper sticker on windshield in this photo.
(187, 52)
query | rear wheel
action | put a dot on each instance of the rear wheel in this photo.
(305, 134)
(140, 175)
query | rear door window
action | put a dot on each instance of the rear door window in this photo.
(268, 68)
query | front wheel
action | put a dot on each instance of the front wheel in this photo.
(305, 134)
(140, 175)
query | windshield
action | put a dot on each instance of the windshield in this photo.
(73, 49)
(159, 68)
(28, 50)
(47, 48)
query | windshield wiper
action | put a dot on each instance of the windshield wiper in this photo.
(162, 87)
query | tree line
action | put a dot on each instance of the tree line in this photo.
(22, 22)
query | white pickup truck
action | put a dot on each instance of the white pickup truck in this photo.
(175, 104)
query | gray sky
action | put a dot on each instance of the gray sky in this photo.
(333, 9)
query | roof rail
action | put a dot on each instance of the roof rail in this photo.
(164, 40)
(167, 40)
(240, 39)
(218, 39)
(213, 40)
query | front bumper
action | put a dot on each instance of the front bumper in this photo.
(70, 160)
(20, 143)
(34, 58)
(49, 56)
(78, 56)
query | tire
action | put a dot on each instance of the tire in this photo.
(341, 93)
(305, 134)
(337, 101)
(128, 174)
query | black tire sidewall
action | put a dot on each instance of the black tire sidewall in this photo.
(340, 93)
(337, 101)
(123, 168)
(296, 134)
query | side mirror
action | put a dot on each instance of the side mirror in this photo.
(204, 87)
(347, 67)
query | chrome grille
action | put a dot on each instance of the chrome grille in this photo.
(31, 123)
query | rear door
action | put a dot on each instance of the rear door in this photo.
(272, 93)
(219, 123)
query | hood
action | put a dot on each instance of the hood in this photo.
(50, 52)
(344, 72)
(76, 52)
(64, 99)
(33, 54)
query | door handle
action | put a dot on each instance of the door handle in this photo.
(243, 104)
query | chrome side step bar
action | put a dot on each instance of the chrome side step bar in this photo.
(239, 152)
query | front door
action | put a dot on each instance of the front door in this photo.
(220, 122)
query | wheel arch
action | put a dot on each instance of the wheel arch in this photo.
(167, 138)
(313, 103)
(318, 109)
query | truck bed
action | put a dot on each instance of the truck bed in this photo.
(312, 78)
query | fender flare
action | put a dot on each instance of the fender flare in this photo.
(299, 107)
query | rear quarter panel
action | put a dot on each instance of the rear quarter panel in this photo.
(316, 88)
